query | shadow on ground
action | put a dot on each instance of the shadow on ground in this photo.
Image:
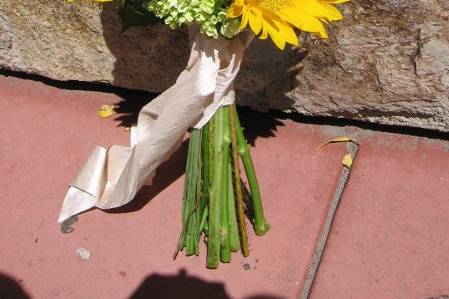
(10, 288)
(155, 286)
(166, 174)
(184, 286)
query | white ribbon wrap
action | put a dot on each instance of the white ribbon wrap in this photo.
(111, 177)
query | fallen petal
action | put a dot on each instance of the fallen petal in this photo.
(347, 160)
(106, 111)
(337, 140)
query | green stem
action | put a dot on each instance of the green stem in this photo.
(193, 179)
(213, 245)
(185, 202)
(260, 224)
(188, 238)
(205, 164)
(207, 154)
(234, 240)
(225, 253)
(238, 188)
(203, 220)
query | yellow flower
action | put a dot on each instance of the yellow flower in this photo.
(277, 18)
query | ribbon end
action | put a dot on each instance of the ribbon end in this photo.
(75, 202)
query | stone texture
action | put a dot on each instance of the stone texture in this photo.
(387, 62)
(82, 41)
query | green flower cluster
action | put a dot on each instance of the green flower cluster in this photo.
(210, 15)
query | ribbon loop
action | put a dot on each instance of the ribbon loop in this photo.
(111, 177)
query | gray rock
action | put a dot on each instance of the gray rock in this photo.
(387, 62)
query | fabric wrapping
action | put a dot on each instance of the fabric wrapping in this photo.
(112, 177)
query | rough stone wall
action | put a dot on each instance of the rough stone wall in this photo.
(387, 62)
(82, 41)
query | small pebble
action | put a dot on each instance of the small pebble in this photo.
(83, 253)
(246, 267)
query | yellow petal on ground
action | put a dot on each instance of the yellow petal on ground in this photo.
(347, 160)
(337, 140)
(106, 111)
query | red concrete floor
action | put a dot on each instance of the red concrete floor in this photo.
(389, 240)
(390, 236)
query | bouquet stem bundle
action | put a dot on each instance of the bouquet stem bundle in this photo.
(213, 203)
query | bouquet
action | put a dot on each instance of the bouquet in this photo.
(216, 201)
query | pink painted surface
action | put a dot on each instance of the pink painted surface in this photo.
(390, 237)
(46, 135)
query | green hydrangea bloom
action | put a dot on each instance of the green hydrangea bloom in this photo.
(210, 15)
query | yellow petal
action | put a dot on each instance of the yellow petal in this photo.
(347, 160)
(276, 37)
(319, 9)
(234, 11)
(331, 13)
(255, 21)
(337, 140)
(304, 22)
(289, 34)
(106, 111)
(335, 1)
(245, 19)
(264, 33)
